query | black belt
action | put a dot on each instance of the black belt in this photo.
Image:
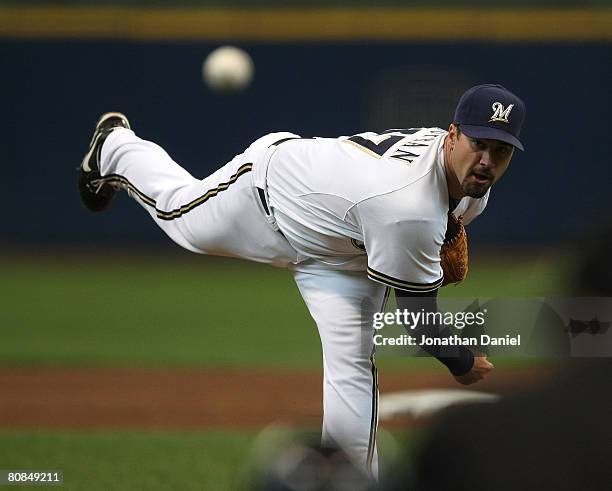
(262, 197)
(264, 202)
(261, 192)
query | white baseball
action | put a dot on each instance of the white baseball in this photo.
(228, 69)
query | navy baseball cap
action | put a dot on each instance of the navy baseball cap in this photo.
(493, 112)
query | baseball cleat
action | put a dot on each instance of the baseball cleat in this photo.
(95, 194)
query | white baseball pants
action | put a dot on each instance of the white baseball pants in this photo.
(223, 215)
(220, 215)
(342, 304)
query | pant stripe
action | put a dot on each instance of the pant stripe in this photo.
(374, 420)
(385, 298)
(182, 210)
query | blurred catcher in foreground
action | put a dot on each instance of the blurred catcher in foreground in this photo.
(351, 217)
(565, 432)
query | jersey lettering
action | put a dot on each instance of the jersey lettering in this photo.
(405, 155)
(378, 149)
(379, 145)
(413, 147)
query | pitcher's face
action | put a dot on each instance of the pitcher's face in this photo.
(478, 163)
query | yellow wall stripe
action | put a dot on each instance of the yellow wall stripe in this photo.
(385, 24)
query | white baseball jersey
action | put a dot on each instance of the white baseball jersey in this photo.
(344, 205)
(380, 198)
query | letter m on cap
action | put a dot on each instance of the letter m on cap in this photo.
(499, 113)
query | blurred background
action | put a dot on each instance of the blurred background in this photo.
(127, 362)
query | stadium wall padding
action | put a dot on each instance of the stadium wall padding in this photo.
(53, 92)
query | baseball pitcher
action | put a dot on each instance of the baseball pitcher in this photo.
(351, 217)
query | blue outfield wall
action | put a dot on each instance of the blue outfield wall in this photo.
(53, 92)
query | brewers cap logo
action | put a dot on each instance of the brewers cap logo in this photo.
(499, 113)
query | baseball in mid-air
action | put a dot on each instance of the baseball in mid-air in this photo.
(228, 69)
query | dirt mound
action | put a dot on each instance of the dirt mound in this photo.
(205, 398)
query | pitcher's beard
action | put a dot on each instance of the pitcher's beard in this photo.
(474, 190)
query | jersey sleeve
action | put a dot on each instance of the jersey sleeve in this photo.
(403, 248)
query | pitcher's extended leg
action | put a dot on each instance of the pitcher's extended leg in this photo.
(342, 304)
(219, 215)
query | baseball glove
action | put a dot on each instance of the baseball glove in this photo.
(454, 252)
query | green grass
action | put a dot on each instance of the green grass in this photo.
(512, 275)
(137, 460)
(187, 310)
(180, 311)
(156, 311)
(131, 460)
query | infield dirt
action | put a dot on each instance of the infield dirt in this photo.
(215, 398)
